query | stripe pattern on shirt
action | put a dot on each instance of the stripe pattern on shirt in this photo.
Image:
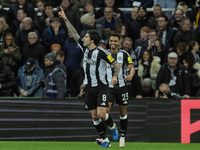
(122, 58)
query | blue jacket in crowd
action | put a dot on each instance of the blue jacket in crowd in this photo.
(37, 76)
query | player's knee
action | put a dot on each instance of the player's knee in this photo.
(95, 117)
(123, 114)
(101, 115)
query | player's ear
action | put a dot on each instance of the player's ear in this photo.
(92, 41)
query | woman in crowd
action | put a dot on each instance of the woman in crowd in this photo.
(194, 73)
(10, 54)
(148, 67)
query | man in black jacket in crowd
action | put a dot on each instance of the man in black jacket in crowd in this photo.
(7, 80)
(175, 75)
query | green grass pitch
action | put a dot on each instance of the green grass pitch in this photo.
(7, 145)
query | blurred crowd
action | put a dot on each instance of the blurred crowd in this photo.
(164, 45)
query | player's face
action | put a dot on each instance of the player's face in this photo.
(114, 42)
(87, 40)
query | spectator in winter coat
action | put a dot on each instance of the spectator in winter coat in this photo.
(10, 54)
(12, 12)
(175, 75)
(55, 82)
(29, 76)
(54, 34)
(7, 81)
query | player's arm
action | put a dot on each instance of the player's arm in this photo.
(70, 27)
(116, 72)
(132, 72)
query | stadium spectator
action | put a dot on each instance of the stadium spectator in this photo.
(135, 26)
(130, 17)
(21, 14)
(141, 43)
(44, 21)
(164, 92)
(181, 51)
(55, 78)
(175, 75)
(10, 54)
(193, 51)
(155, 46)
(190, 3)
(148, 67)
(147, 90)
(29, 75)
(153, 20)
(40, 13)
(88, 19)
(129, 21)
(76, 81)
(196, 80)
(72, 12)
(188, 62)
(167, 4)
(7, 3)
(21, 36)
(7, 80)
(55, 48)
(184, 33)
(33, 49)
(183, 6)
(138, 3)
(4, 29)
(109, 3)
(194, 14)
(60, 55)
(128, 46)
(73, 56)
(12, 12)
(165, 33)
(178, 16)
(54, 34)
(106, 25)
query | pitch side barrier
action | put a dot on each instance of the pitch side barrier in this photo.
(150, 120)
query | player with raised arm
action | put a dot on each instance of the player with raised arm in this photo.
(95, 60)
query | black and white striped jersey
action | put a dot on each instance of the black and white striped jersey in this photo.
(124, 59)
(94, 65)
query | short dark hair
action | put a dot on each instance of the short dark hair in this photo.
(115, 34)
(94, 35)
(191, 45)
(164, 16)
(48, 4)
(60, 53)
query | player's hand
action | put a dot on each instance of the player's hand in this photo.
(61, 13)
(128, 78)
(114, 80)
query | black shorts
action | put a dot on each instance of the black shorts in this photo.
(120, 94)
(96, 97)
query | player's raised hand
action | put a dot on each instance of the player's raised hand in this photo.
(61, 13)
